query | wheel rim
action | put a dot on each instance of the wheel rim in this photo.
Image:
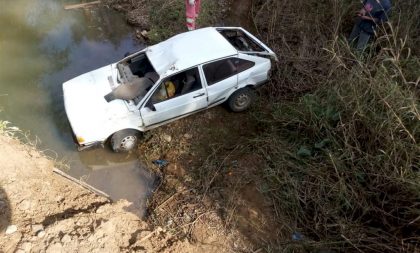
(128, 142)
(242, 101)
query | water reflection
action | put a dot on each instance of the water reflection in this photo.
(41, 46)
(122, 175)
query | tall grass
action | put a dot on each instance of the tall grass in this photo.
(343, 160)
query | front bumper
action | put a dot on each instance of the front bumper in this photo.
(90, 146)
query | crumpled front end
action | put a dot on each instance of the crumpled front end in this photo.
(91, 117)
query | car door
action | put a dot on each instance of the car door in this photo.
(175, 97)
(246, 71)
(221, 78)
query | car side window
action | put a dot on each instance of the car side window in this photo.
(223, 69)
(177, 85)
(219, 70)
(243, 65)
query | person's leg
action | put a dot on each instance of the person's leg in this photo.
(355, 32)
(190, 13)
(363, 41)
(197, 7)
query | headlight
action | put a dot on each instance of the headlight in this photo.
(80, 140)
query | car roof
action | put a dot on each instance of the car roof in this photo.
(189, 49)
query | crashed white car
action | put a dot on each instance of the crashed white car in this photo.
(185, 74)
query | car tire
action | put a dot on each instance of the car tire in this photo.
(124, 140)
(241, 100)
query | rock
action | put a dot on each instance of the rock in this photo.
(41, 234)
(26, 247)
(59, 199)
(37, 227)
(55, 248)
(66, 238)
(20, 251)
(24, 205)
(11, 229)
(100, 210)
(82, 221)
(167, 137)
(188, 136)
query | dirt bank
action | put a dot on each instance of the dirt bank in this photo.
(47, 212)
(41, 211)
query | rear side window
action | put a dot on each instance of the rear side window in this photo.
(219, 70)
(243, 65)
(223, 69)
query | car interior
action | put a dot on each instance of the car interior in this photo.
(219, 70)
(137, 76)
(240, 40)
(183, 83)
(138, 66)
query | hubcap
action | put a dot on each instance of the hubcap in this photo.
(242, 101)
(128, 142)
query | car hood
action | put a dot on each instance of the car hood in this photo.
(87, 110)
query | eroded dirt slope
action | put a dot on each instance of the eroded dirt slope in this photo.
(43, 212)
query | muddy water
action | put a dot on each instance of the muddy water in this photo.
(41, 46)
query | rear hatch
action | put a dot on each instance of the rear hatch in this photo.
(245, 42)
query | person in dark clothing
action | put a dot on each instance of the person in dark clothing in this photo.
(374, 12)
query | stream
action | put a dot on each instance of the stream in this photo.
(41, 46)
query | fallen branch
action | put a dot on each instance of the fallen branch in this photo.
(170, 198)
(82, 184)
(79, 6)
(158, 230)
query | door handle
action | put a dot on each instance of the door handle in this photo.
(199, 95)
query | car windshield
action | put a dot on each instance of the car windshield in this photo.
(136, 76)
(136, 66)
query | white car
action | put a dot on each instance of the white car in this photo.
(185, 74)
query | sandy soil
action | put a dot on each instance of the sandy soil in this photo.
(52, 214)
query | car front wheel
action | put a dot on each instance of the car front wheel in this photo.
(124, 140)
(241, 100)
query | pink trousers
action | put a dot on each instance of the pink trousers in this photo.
(192, 11)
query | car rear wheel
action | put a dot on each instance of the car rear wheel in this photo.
(241, 100)
(124, 140)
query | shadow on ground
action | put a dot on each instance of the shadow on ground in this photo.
(5, 212)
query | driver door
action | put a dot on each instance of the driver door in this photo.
(176, 96)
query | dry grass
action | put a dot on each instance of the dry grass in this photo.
(342, 160)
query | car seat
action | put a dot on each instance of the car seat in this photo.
(188, 84)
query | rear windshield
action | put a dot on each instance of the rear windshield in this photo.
(241, 41)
